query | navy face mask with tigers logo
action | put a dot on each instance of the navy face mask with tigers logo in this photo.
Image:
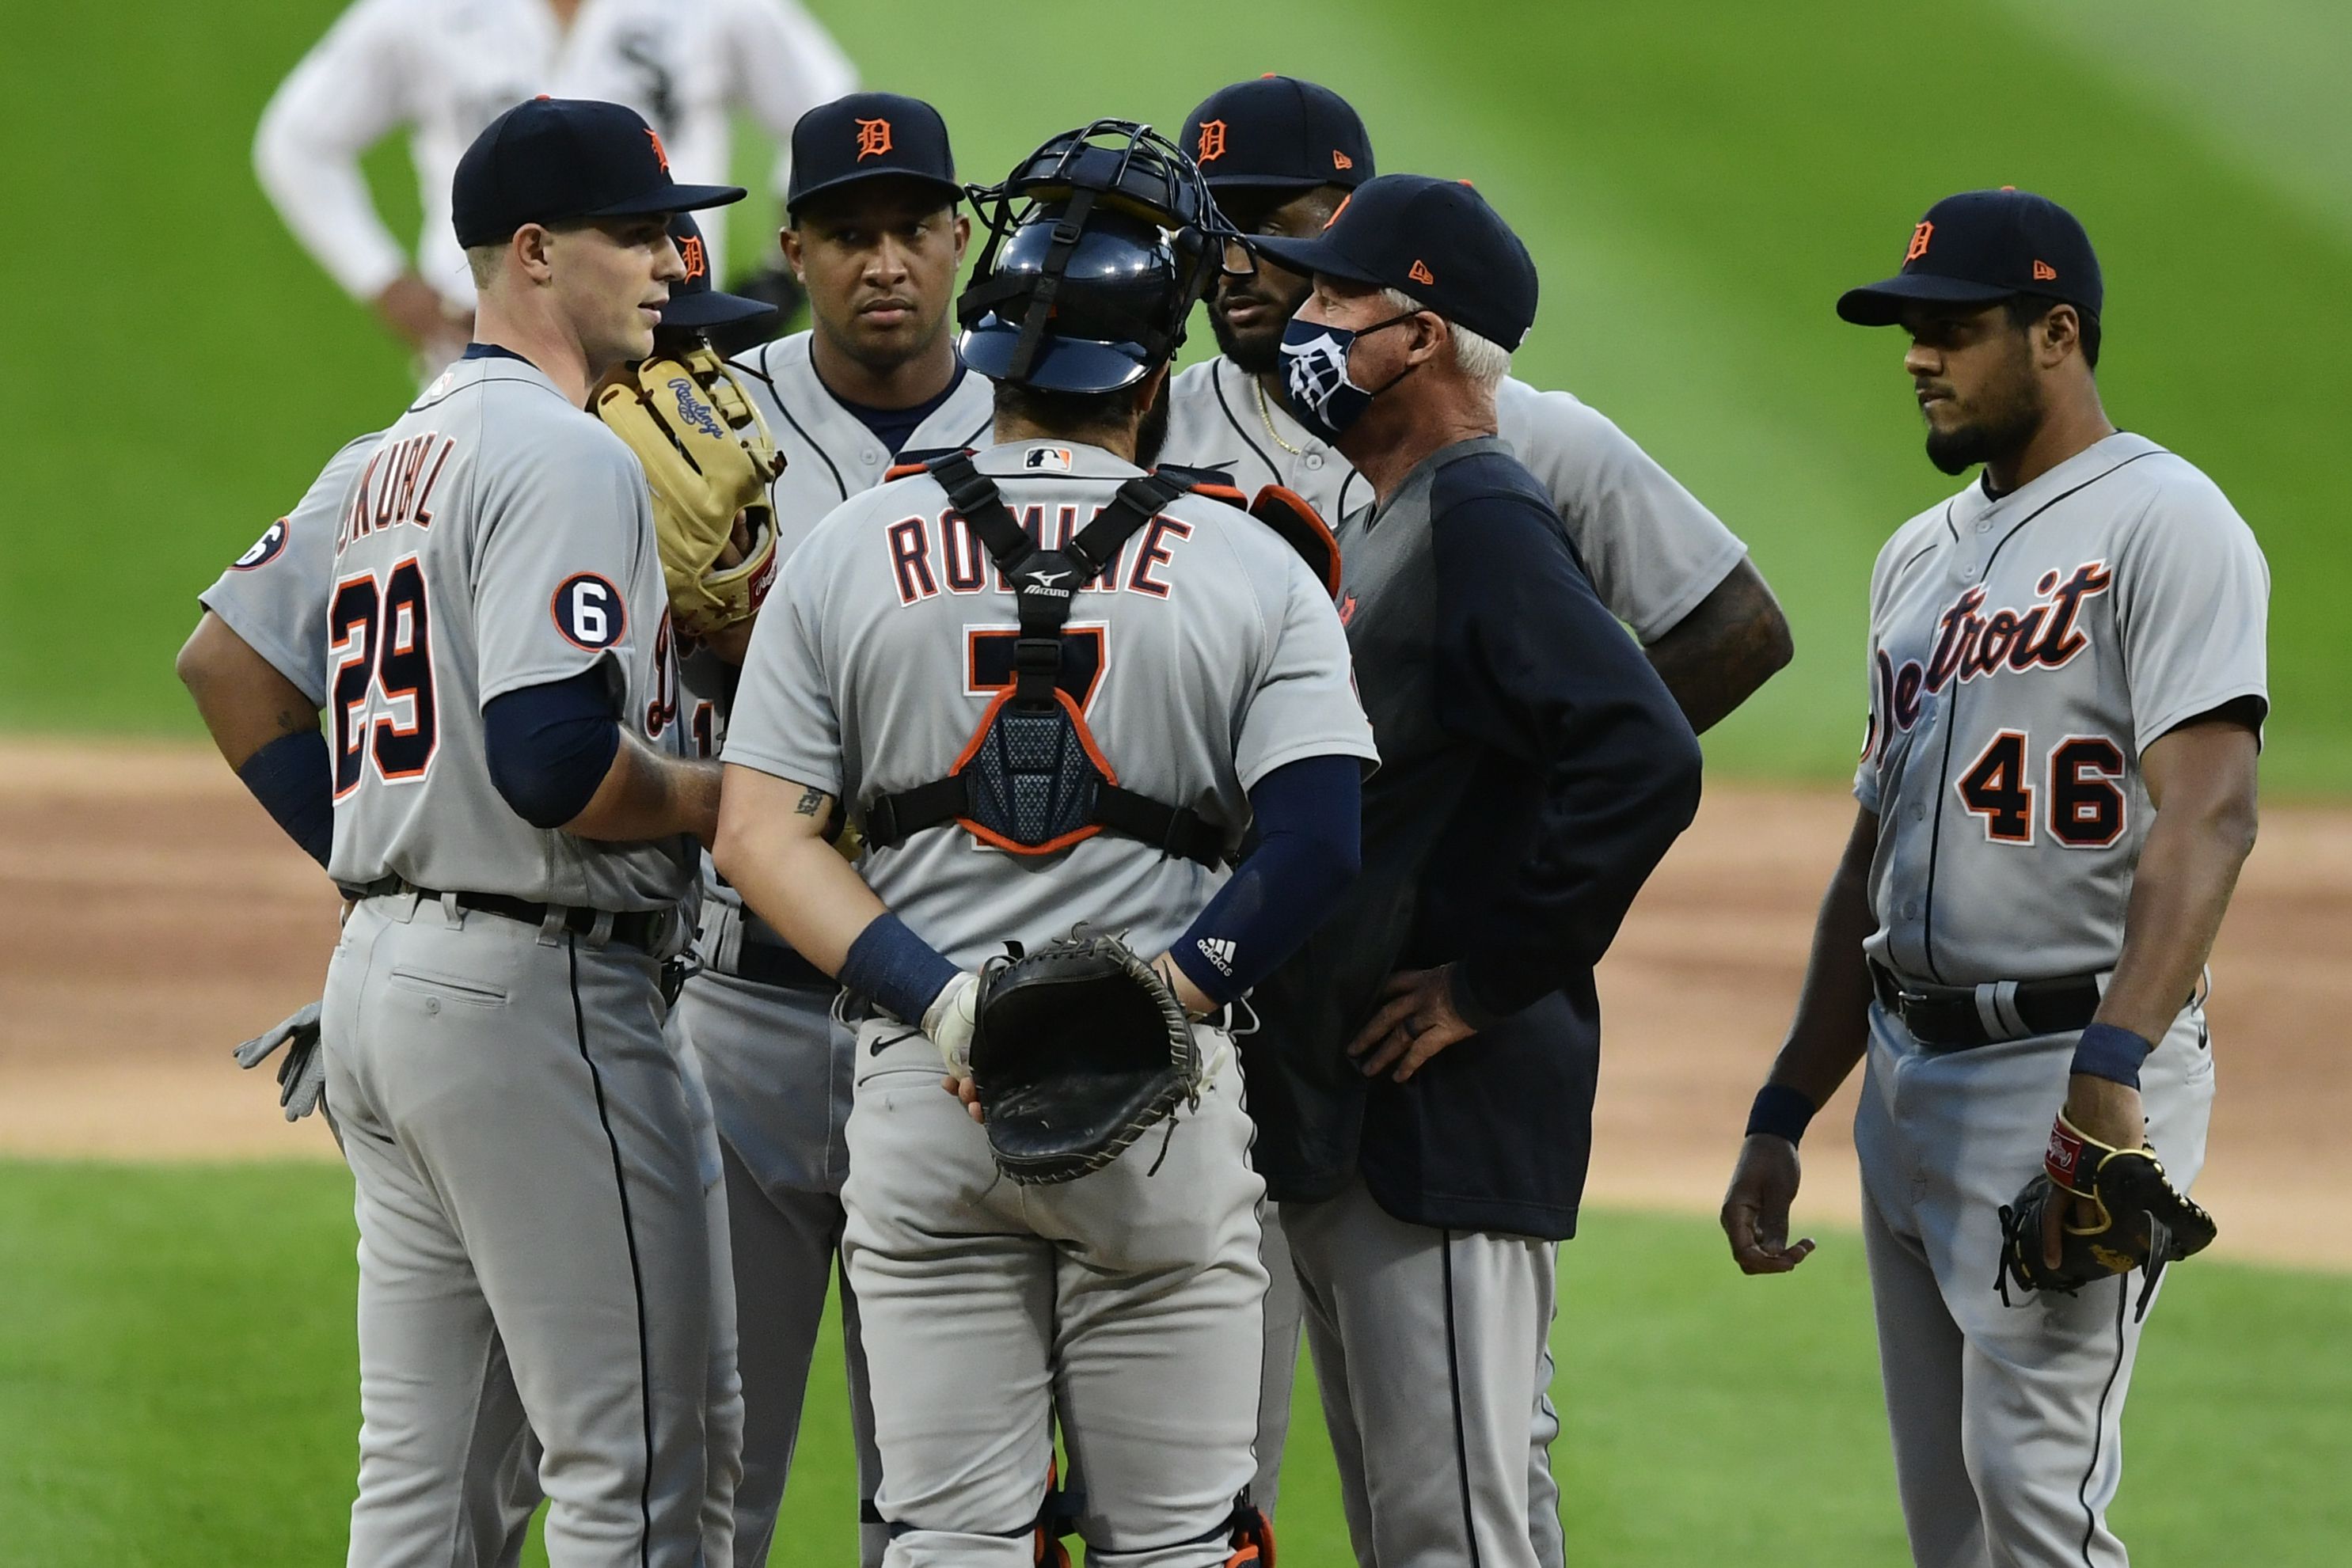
(1315, 373)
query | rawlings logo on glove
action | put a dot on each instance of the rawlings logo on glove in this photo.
(708, 459)
(2139, 1220)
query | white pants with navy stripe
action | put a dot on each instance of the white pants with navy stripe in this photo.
(2006, 1418)
(1430, 1352)
(530, 1176)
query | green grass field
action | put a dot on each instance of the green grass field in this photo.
(177, 1388)
(1697, 178)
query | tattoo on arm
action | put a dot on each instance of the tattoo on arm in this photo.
(1729, 645)
(811, 802)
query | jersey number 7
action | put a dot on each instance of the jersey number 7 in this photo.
(381, 640)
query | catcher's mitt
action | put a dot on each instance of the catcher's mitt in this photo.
(708, 458)
(1078, 1049)
(2144, 1221)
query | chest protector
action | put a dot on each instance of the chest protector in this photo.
(1032, 780)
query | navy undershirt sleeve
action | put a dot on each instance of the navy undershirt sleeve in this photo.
(295, 782)
(1308, 816)
(549, 747)
(1534, 665)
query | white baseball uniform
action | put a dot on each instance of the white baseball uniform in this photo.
(2025, 651)
(1653, 550)
(777, 1065)
(523, 1141)
(1126, 1303)
(445, 68)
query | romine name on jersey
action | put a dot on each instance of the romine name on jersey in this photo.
(941, 554)
(395, 487)
(1970, 644)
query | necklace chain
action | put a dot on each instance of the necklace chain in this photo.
(1267, 415)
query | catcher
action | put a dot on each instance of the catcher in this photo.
(2056, 793)
(1054, 688)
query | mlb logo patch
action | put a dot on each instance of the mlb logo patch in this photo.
(1047, 460)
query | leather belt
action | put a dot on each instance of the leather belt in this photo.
(1961, 1017)
(763, 958)
(640, 928)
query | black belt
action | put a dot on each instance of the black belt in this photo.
(764, 958)
(1955, 1018)
(639, 928)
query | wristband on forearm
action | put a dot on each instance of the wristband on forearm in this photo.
(1781, 1112)
(2113, 1052)
(891, 966)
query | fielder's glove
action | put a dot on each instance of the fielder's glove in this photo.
(708, 458)
(303, 1076)
(2142, 1221)
(1077, 1049)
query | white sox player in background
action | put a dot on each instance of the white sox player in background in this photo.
(443, 68)
(1211, 669)
(1283, 155)
(874, 234)
(2066, 697)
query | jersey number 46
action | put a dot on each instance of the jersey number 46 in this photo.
(2083, 788)
(379, 638)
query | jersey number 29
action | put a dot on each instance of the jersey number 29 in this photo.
(381, 640)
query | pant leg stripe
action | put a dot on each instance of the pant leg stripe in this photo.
(2099, 1426)
(637, 1276)
(1453, 1371)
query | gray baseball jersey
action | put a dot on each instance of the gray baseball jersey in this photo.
(1218, 658)
(1652, 550)
(2024, 651)
(275, 595)
(498, 538)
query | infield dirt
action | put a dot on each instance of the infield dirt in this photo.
(155, 918)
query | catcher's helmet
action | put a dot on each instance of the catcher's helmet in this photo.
(1100, 244)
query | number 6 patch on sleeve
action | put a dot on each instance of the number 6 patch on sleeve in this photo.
(588, 611)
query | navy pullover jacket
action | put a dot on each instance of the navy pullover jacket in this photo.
(1533, 770)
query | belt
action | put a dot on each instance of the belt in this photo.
(763, 958)
(639, 928)
(1961, 1017)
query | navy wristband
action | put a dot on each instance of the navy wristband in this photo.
(893, 966)
(295, 782)
(1781, 1112)
(2113, 1052)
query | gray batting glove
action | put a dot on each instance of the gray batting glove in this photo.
(303, 1076)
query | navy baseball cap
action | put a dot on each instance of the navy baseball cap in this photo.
(1436, 240)
(695, 302)
(1983, 247)
(555, 160)
(866, 135)
(1278, 133)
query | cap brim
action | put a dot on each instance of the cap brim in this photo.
(949, 190)
(1273, 181)
(1315, 254)
(671, 199)
(713, 308)
(1881, 304)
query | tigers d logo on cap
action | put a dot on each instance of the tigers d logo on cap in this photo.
(873, 138)
(1213, 141)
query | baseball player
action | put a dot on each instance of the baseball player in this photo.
(1155, 668)
(256, 666)
(514, 822)
(443, 68)
(2058, 787)
(876, 237)
(1535, 770)
(1283, 155)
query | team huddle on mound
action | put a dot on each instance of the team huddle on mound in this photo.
(1115, 859)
